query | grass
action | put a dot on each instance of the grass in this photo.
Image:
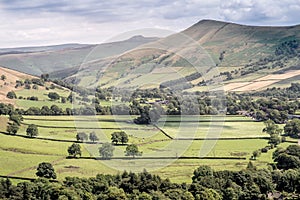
(231, 127)
(25, 104)
(20, 156)
(42, 95)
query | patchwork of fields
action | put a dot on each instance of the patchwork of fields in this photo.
(238, 138)
(261, 82)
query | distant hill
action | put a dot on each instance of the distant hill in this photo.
(40, 48)
(38, 60)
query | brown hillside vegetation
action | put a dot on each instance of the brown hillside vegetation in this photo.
(10, 82)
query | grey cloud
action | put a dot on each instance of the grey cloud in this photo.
(261, 12)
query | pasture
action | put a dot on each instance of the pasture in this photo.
(21, 155)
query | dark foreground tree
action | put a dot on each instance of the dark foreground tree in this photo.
(132, 150)
(106, 150)
(46, 170)
(32, 130)
(74, 150)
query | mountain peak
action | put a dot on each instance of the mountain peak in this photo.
(137, 38)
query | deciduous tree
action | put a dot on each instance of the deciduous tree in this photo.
(132, 150)
(32, 130)
(74, 150)
(46, 170)
(106, 150)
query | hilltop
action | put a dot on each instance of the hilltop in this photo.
(230, 52)
(239, 56)
(47, 59)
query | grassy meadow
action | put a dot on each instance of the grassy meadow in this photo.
(21, 155)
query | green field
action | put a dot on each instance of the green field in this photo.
(20, 155)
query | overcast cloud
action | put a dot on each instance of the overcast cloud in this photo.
(41, 22)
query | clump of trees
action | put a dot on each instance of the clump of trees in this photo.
(119, 137)
(12, 128)
(274, 131)
(82, 136)
(292, 128)
(15, 121)
(288, 158)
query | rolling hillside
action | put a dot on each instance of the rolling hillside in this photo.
(24, 86)
(39, 60)
(210, 53)
(8, 83)
(200, 54)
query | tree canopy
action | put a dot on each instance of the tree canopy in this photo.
(132, 150)
(46, 170)
(106, 150)
(32, 130)
(74, 150)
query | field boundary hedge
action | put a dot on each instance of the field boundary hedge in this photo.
(229, 138)
(165, 133)
(50, 139)
(166, 157)
(24, 178)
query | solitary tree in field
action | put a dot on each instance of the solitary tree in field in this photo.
(81, 136)
(32, 130)
(74, 150)
(3, 77)
(63, 99)
(132, 150)
(256, 154)
(93, 137)
(12, 128)
(53, 96)
(106, 150)
(46, 170)
(11, 95)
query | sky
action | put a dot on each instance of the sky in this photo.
(44, 22)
